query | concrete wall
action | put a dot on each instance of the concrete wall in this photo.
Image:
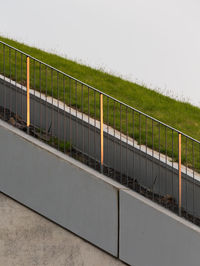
(119, 221)
(151, 236)
(28, 239)
(59, 190)
(120, 156)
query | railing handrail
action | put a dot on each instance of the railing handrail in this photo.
(103, 93)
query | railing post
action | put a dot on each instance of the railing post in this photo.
(101, 129)
(28, 93)
(179, 174)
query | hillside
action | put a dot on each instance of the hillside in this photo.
(182, 116)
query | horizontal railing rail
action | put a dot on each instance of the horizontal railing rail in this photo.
(128, 145)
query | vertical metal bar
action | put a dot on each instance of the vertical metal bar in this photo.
(165, 160)
(152, 161)
(88, 126)
(165, 144)
(21, 85)
(52, 111)
(10, 98)
(193, 166)
(15, 83)
(95, 128)
(10, 64)
(173, 165)
(58, 136)
(76, 99)
(28, 92)
(133, 152)
(40, 99)
(146, 149)
(46, 102)
(1, 71)
(70, 118)
(179, 174)
(140, 130)
(83, 147)
(186, 188)
(34, 97)
(4, 61)
(120, 109)
(140, 178)
(64, 126)
(15, 68)
(4, 79)
(186, 156)
(146, 134)
(127, 146)
(114, 153)
(108, 134)
(101, 129)
(159, 162)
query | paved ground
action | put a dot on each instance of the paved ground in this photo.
(27, 239)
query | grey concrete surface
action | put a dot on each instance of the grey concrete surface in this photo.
(152, 236)
(28, 239)
(91, 205)
(71, 196)
(83, 133)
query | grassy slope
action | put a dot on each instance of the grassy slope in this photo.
(182, 116)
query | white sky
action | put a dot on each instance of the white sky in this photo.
(155, 42)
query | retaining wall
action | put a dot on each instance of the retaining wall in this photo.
(110, 216)
(84, 134)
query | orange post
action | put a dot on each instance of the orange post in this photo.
(179, 173)
(101, 129)
(28, 93)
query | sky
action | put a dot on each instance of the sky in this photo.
(151, 42)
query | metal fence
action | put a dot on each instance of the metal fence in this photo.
(123, 143)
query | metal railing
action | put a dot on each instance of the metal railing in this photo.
(118, 140)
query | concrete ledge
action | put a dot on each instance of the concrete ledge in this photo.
(153, 236)
(77, 198)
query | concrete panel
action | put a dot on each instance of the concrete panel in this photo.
(29, 239)
(153, 236)
(73, 197)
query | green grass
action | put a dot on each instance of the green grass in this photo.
(182, 116)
